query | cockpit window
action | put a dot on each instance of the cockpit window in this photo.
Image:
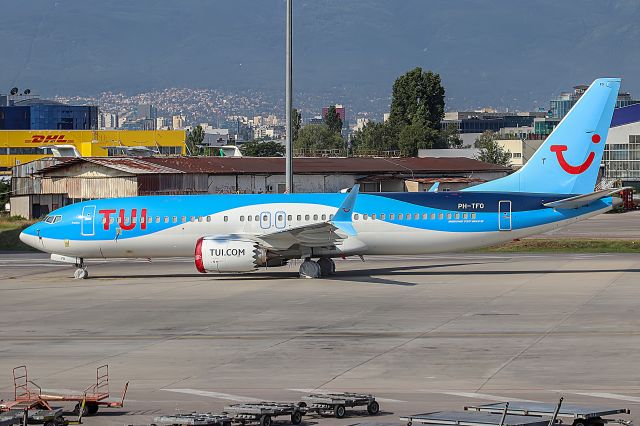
(49, 219)
(53, 219)
(57, 219)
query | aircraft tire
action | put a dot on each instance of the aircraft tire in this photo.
(310, 269)
(327, 266)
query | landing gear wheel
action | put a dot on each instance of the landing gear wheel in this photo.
(310, 269)
(265, 420)
(339, 411)
(373, 408)
(327, 266)
(81, 274)
(296, 418)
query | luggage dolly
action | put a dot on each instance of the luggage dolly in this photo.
(578, 415)
(263, 412)
(51, 417)
(193, 419)
(336, 403)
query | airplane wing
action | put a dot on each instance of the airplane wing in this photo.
(582, 200)
(319, 234)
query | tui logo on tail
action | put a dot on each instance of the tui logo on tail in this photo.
(574, 170)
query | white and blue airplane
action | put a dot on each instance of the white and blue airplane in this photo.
(242, 233)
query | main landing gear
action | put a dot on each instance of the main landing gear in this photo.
(81, 272)
(324, 267)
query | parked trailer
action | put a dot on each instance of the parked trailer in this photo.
(582, 415)
(469, 418)
(336, 403)
(193, 419)
(28, 395)
(263, 412)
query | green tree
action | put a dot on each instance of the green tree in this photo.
(491, 151)
(296, 123)
(314, 137)
(5, 192)
(332, 120)
(416, 136)
(417, 96)
(262, 149)
(194, 140)
(450, 137)
(375, 138)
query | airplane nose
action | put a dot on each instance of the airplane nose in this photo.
(29, 237)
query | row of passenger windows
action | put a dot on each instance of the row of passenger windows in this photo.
(280, 217)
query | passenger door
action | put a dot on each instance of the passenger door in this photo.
(87, 224)
(504, 215)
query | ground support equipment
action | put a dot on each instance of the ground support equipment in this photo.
(579, 415)
(336, 403)
(468, 418)
(34, 417)
(194, 419)
(264, 412)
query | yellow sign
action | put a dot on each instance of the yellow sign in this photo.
(22, 146)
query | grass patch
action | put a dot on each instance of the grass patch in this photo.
(565, 245)
(10, 229)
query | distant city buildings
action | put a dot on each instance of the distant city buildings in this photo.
(177, 122)
(108, 121)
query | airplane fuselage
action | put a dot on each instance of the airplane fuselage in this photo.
(385, 223)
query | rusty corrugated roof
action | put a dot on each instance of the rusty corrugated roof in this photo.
(359, 165)
(132, 165)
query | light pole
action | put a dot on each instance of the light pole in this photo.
(289, 99)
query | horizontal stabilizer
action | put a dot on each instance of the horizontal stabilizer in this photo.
(582, 200)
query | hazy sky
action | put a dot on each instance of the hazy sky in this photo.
(494, 52)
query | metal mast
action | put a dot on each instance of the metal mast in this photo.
(289, 99)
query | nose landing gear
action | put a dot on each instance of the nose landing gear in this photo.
(81, 272)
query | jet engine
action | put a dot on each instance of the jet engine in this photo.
(228, 253)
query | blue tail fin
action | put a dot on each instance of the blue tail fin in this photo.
(569, 159)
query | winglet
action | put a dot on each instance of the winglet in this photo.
(343, 217)
(434, 187)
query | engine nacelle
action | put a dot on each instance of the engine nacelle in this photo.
(227, 253)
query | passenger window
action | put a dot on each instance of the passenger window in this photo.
(183, 219)
(382, 216)
(330, 217)
(373, 216)
(150, 219)
(365, 216)
(192, 219)
(134, 219)
(408, 216)
(249, 218)
(142, 219)
(440, 216)
(392, 216)
(199, 218)
(457, 215)
(448, 215)
(289, 218)
(226, 218)
(465, 215)
(416, 216)
(280, 218)
(104, 220)
(433, 216)
(299, 218)
(174, 219)
(315, 217)
(306, 217)
(119, 219)
(257, 218)
(157, 219)
(400, 217)
(166, 219)
(356, 216)
(111, 220)
(241, 218)
(425, 216)
(208, 218)
(265, 218)
(324, 217)
(473, 215)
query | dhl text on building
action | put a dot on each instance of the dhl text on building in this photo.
(21, 146)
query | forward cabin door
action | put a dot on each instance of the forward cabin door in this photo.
(504, 215)
(87, 224)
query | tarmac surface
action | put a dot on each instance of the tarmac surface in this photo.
(423, 333)
(622, 226)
